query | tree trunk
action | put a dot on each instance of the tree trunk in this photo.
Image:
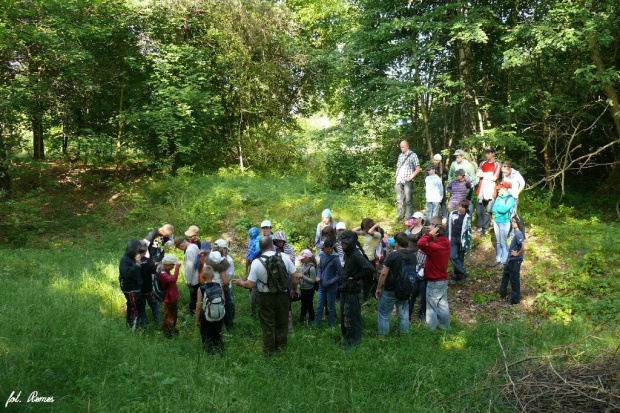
(468, 119)
(37, 136)
(427, 130)
(5, 177)
(546, 150)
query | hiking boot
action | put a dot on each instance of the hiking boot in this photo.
(494, 264)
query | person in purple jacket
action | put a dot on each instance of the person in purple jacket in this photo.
(458, 189)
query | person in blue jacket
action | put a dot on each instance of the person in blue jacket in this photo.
(328, 276)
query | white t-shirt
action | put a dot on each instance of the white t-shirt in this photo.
(258, 273)
(231, 270)
(191, 273)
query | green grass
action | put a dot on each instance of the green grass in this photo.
(62, 329)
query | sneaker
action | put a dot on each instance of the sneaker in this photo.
(463, 278)
(494, 264)
(452, 281)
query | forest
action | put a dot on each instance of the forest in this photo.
(119, 116)
(210, 84)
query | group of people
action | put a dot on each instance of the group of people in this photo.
(496, 188)
(148, 275)
(338, 266)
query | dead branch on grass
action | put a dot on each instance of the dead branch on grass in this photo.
(580, 384)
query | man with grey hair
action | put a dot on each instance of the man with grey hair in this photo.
(407, 168)
(267, 272)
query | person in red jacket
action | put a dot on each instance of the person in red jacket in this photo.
(436, 246)
(169, 284)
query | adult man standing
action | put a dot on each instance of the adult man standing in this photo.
(517, 183)
(464, 164)
(407, 168)
(274, 297)
(488, 172)
(387, 284)
(436, 246)
(191, 272)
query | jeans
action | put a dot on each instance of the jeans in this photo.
(273, 313)
(136, 311)
(404, 193)
(437, 305)
(457, 256)
(351, 313)
(154, 304)
(483, 211)
(512, 272)
(419, 290)
(501, 236)
(386, 304)
(326, 295)
(229, 306)
(432, 210)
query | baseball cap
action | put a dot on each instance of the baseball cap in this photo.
(341, 225)
(504, 184)
(437, 157)
(418, 214)
(459, 152)
(265, 223)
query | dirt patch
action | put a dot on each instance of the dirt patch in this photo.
(477, 299)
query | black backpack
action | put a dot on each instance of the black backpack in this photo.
(405, 280)
(277, 275)
(158, 292)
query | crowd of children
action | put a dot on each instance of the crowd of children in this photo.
(338, 266)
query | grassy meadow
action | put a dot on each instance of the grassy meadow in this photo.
(62, 330)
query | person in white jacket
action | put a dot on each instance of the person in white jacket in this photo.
(517, 183)
(191, 273)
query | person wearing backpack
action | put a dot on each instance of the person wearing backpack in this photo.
(502, 210)
(271, 273)
(459, 233)
(306, 284)
(168, 282)
(328, 276)
(130, 280)
(436, 246)
(210, 302)
(395, 286)
(357, 267)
